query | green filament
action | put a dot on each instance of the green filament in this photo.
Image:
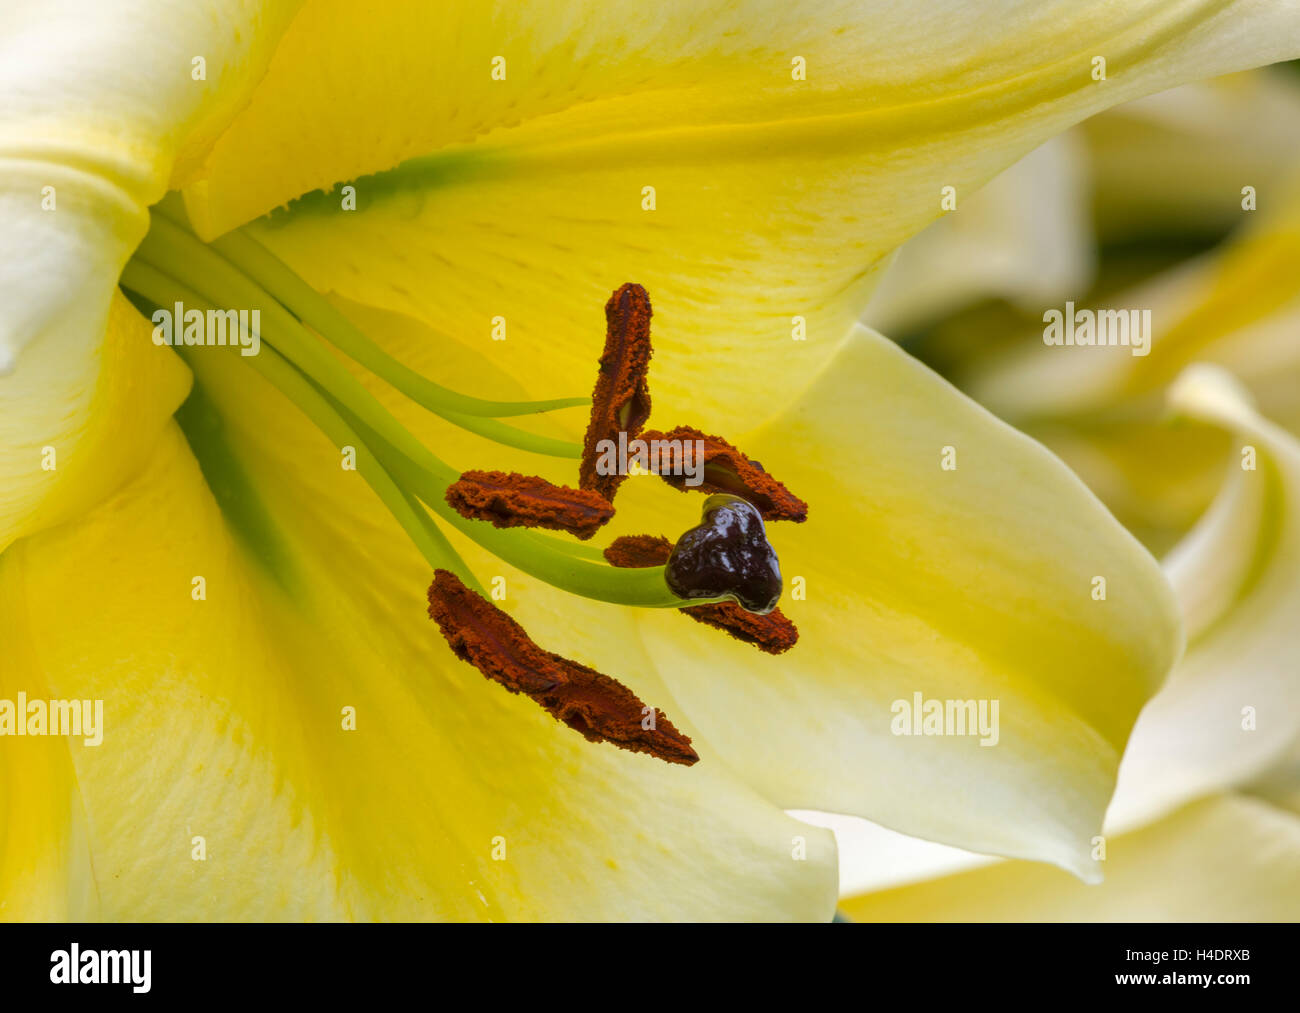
(172, 249)
(400, 470)
(153, 285)
(278, 280)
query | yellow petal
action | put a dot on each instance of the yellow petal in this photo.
(46, 868)
(347, 96)
(1235, 575)
(1231, 709)
(81, 417)
(968, 584)
(775, 198)
(1222, 859)
(97, 101)
(224, 716)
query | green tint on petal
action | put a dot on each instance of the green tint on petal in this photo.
(347, 96)
(98, 104)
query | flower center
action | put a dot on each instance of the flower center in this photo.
(723, 563)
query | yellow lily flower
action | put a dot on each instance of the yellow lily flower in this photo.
(285, 733)
(1204, 824)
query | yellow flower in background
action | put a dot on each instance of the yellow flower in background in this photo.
(1174, 164)
(752, 165)
(1026, 237)
(1204, 824)
(1102, 409)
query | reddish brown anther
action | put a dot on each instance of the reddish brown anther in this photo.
(621, 400)
(526, 501)
(726, 469)
(772, 633)
(637, 551)
(600, 708)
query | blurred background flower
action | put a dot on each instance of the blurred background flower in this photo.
(1186, 204)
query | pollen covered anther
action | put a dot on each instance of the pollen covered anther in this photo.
(602, 709)
(773, 633)
(726, 469)
(621, 399)
(637, 551)
(511, 500)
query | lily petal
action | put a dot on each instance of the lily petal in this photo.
(97, 102)
(64, 414)
(1228, 858)
(1231, 709)
(775, 198)
(968, 584)
(46, 867)
(1235, 575)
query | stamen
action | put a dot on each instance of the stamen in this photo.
(727, 470)
(511, 500)
(727, 555)
(150, 284)
(600, 708)
(621, 400)
(180, 254)
(636, 551)
(343, 404)
(772, 633)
